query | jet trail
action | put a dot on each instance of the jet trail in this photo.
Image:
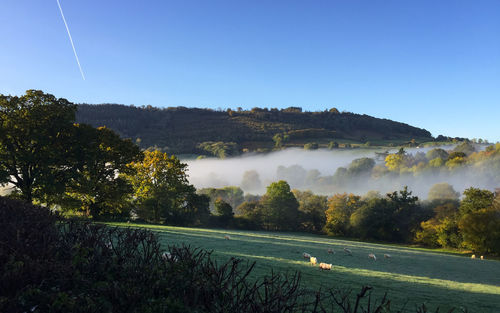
(70, 39)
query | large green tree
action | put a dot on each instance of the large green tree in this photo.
(34, 130)
(280, 207)
(479, 221)
(100, 163)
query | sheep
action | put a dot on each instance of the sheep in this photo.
(324, 266)
(306, 255)
(387, 256)
(482, 257)
(166, 256)
(372, 256)
(349, 252)
(227, 237)
(330, 251)
(473, 256)
(313, 260)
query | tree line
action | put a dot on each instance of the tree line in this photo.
(442, 220)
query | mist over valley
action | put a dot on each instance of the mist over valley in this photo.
(322, 172)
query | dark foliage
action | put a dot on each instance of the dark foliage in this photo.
(182, 130)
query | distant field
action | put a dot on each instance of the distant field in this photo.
(413, 276)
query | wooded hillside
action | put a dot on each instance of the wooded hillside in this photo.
(184, 130)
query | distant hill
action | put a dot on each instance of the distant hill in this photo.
(181, 130)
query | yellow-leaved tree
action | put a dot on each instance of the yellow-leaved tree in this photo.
(163, 192)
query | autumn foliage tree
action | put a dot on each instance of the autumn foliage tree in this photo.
(163, 192)
(338, 214)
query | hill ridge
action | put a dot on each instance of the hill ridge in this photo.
(185, 130)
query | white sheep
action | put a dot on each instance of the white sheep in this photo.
(166, 256)
(330, 251)
(473, 256)
(372, 256)
(324, 266)
(349, 252)
(227, 237)
(306, 255)
(313, 260)
(387, 256)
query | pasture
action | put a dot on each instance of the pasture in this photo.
(411, 276)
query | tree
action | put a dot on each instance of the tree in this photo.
(374, 220)
(475, 199)
(312, 208)
(34, 130)
(100, 163)
(338, 214)
(224, 211)
(442, 191)
(407, 214)
(436, 153)
(163, 191)
(398, 161)
(481, 230)
(361, 166)
(251, 181)
(479, 221)
(280, 208)
(251, 210)
(465, 147)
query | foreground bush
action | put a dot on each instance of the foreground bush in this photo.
(53, 265)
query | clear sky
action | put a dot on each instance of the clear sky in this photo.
(431, 64)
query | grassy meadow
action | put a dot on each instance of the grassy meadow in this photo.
(411, 276)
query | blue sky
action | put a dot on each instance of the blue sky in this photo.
(431, 64)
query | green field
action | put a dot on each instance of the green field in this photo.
(412, 275)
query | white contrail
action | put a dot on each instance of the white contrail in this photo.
(70, 39)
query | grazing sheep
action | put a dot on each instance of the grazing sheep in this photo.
(473, 256)
(324, 266)
(482, 257)
(330, 251)
(306, 255)
(313, 260)
(349, 252)
(166, 256)
(387, 256)
(372, 256)
(227, 237)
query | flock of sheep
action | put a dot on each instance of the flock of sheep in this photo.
(326, 266)
(166, 256)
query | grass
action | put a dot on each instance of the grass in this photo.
(412, 275)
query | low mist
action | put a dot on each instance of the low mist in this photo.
(315, 170)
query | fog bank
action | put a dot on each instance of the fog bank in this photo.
(314, 170)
